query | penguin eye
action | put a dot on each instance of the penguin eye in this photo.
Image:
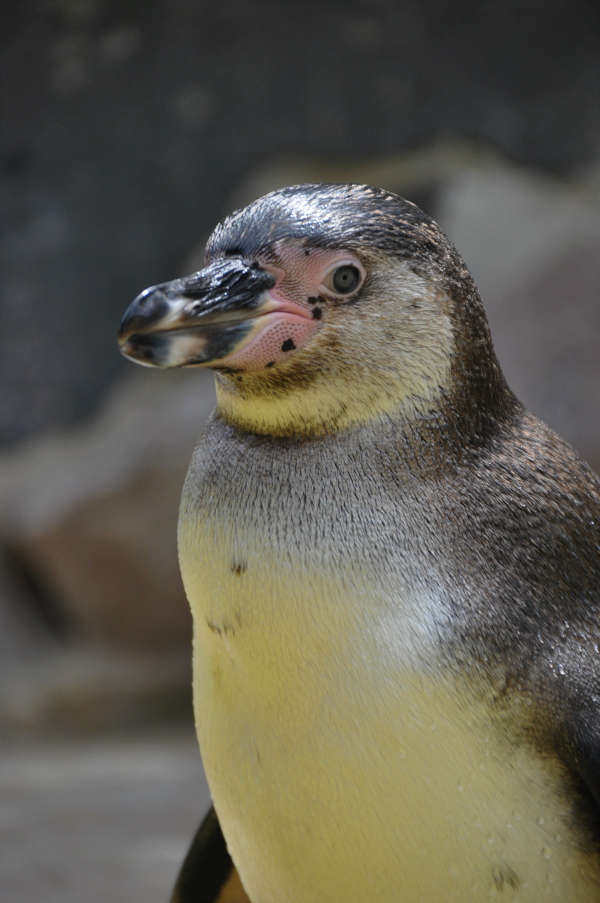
(344, 279)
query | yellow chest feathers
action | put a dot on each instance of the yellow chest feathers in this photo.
(344, 763)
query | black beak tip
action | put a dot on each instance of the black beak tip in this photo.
(148, 308)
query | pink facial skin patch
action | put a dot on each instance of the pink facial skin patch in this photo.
(295, 308)
(273, 337)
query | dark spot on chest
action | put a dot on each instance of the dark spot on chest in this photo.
(239, 567)
(217, 676)
(288, 345)
(505, 878)
(317, 313)
(271, 364)
(223, 629)
(314, 300)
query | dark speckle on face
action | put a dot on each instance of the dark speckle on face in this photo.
(375, 223)
(271, 364)
(317, 313)
(288, 345)
(239, 567)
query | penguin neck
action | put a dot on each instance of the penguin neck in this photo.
(457, 403)
(415, 440)
(326, 408)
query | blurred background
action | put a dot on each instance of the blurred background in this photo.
(128, 129)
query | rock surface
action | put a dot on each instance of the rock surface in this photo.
(97, 630)
(93, 512)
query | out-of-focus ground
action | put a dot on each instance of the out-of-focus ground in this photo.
(131, 129)
(95, 821)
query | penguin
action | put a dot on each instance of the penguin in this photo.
(393, 570)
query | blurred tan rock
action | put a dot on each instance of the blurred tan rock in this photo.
(24, 632)
(93, 513)
(78, 689)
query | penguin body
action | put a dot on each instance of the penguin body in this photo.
(394, 575)
(382, 724)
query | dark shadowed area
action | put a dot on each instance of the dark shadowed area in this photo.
(128, 130)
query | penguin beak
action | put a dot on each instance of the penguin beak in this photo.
(198, 320)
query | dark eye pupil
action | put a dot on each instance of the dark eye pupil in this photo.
(345, 279)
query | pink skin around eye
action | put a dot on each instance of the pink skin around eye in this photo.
(293, 319)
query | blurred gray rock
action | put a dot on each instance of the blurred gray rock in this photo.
(533, 246)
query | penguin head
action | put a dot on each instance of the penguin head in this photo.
(319, 307)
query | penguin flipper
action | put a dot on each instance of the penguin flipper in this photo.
(208, 874)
